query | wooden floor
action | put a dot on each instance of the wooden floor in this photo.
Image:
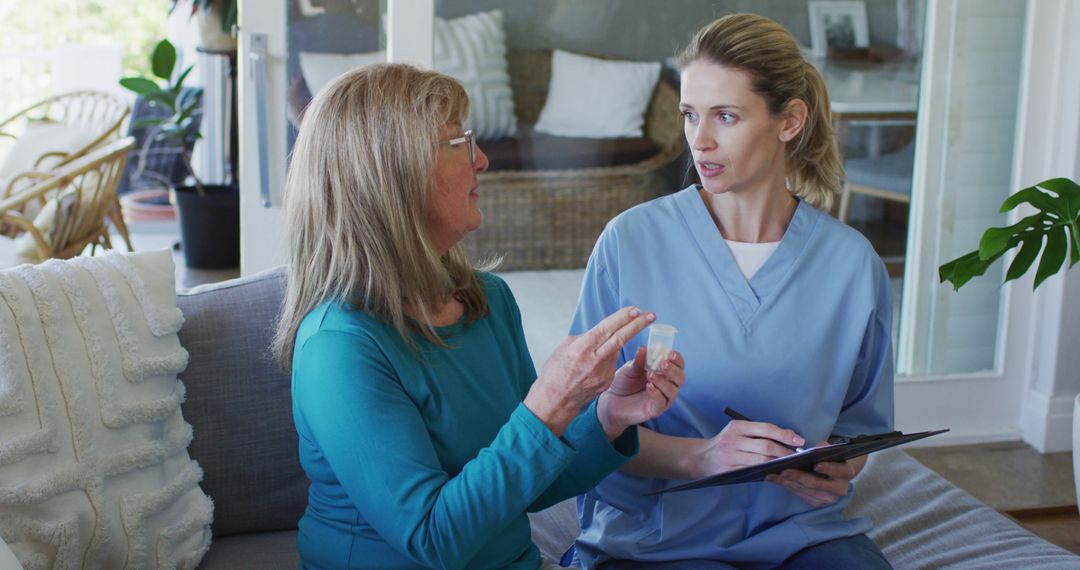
(1059, 525)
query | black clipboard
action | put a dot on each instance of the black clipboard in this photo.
(841, 450)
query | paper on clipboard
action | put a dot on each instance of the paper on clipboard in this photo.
(842, 450)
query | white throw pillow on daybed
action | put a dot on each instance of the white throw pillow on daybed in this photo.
(41, 137)
(597, 98)
(94, 468)
(471, 49)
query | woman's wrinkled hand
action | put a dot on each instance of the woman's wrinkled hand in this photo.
(582, 367)
(638, 394)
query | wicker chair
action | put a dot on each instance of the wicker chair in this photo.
(95, 112)
(550, 219)
(82, 192)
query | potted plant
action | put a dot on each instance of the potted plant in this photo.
(209, 214)
(1057, 221)
(217, 18)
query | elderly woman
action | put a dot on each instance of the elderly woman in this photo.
(423, 426)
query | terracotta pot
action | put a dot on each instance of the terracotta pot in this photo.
(147, 205)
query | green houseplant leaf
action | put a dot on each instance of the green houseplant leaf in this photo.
(163, 60)
(179, 103)
(1055, 223)
(139, 85)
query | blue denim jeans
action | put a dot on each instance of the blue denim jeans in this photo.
(856, 552)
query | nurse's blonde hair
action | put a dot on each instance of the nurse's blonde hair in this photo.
(356, 200)
(779, 73)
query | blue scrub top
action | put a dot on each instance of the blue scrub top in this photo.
(805, 344)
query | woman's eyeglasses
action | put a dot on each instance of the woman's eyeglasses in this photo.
(469, 139)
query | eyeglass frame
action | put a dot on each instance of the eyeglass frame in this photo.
(468, 137)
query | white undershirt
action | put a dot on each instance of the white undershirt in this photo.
(750, 256)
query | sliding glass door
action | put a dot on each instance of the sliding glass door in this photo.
(936, 77)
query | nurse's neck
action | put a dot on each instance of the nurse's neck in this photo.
(753, 216)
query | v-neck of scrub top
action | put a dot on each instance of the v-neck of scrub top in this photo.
(746, 296)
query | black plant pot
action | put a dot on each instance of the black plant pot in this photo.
(209, 225)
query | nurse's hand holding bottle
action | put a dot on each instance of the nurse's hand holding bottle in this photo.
(638, 394)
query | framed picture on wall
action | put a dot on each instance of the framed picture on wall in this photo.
(837, 24)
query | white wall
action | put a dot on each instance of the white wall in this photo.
(1048, 137)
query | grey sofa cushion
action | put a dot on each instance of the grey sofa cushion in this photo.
(240, 405)
(264, 551)
(920, 521)
(923, 521)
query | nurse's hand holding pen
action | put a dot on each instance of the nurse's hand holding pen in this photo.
(825, 486)
(743, 443)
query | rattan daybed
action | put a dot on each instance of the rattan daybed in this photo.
(548, 219)
(545, 207)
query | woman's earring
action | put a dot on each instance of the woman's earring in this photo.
(787, 183)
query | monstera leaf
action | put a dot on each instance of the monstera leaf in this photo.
(1053, 232)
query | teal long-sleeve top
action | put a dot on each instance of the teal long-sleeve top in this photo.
(428, 458)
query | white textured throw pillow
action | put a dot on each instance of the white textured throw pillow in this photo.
(94, 469)
(597, 98)
(320, 69)
(472, 49)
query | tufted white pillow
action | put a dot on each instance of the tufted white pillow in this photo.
(597, 98)
(94, 469)
(472, 49)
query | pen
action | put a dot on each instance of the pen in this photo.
(737, 416)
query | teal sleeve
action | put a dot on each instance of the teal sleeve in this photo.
(350, 402)
(596, 458)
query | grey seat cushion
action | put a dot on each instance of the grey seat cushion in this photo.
(264, 550)
(920, 521)
(923, 521)
(239, 404)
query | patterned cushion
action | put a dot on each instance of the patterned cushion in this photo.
(472, 49)
(94, 469)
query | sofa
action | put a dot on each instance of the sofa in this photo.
(238, 403)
